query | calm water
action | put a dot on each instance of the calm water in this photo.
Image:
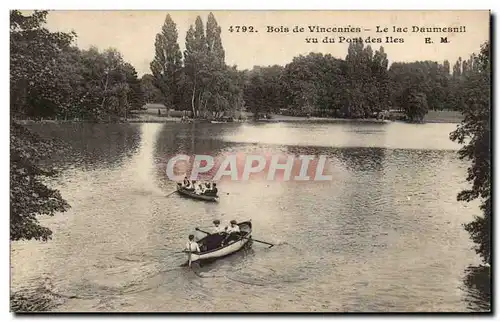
(384, 235)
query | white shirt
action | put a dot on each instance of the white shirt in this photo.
(192, 246)
(233, 229)
(217, 229)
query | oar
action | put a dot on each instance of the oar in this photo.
(198, 229)
(185, 252)
(171, 193)
(180, 252)
(260, 241)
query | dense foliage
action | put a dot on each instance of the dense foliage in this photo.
(29, 197)
(475, 133)
(50, 78)
(360, 86)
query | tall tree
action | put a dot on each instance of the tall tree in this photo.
(219, 90)
(214, 42)
(475, 133)
(380, 80)
(167, 63)
(196, 63)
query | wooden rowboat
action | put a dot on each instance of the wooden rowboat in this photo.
(194, 195)
(209, 252)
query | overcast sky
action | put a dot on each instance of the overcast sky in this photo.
(133, 33)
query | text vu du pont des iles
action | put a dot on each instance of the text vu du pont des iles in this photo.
(353, 30)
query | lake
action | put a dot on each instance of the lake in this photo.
(385, 235)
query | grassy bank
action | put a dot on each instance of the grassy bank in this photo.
(443, 117)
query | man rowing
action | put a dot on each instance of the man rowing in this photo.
(233, 232)
(233, 227)
(191, 245)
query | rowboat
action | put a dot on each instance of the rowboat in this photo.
(194, 195)
(208, 252)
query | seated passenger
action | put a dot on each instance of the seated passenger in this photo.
(186, 182)
(213, 191)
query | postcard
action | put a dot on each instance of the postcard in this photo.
(250, 161)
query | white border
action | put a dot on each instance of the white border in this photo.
(191, 5)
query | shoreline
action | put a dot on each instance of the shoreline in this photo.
(295, 120)
(452, 117)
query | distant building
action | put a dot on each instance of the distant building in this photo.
(154, 106)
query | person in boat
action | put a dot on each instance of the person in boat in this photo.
(213, 191)
(209, 189)
(233, 232)
(217, 228)
(191, 245)
(217, 236)
(198, 188)
(233, 227)
(192, 186)
(202, 188)
(186, 182)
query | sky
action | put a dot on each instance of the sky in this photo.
(133, 33)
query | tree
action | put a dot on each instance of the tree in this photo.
(29, 197)
(39, 80)
(167, 63)
(197, 65)
(380, 81)
(415, 105)
(40, 86)
(219, 89)
(151, 93)
(214, 42)
(135, 94)
(475, 132)
(264, 91)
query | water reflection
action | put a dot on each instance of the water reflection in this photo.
(89, 146)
